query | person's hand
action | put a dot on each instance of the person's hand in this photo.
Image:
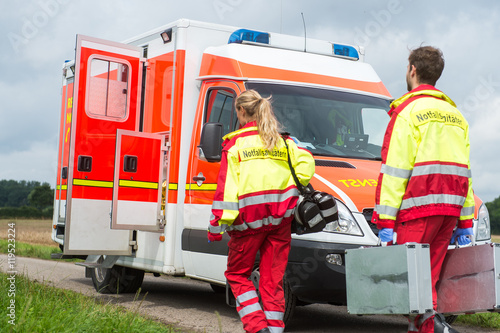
(212, 237)
(460, 236)
(386, 235)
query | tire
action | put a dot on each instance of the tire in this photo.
(117, 279)
(218, 289)
(290, 298)
(290, 301)
(450, 319)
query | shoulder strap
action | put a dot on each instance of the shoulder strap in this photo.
(297, 182)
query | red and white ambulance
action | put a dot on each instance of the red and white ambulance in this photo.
(135, 181)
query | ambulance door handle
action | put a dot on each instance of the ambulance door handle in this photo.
(199, 179)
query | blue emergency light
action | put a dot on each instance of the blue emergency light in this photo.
(251, 36)
(244, 35)
(345, 51)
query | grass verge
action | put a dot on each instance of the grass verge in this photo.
(36, 307)
(30, 250)
(487, 320)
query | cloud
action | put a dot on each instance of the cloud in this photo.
(485, 138)
(38, 162)
(30, 66)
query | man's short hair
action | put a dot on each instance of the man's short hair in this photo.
(429, 63)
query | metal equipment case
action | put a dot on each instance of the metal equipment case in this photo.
(389, 280)
(469, 280)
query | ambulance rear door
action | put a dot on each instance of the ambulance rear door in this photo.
(137, 191)
(107, 90)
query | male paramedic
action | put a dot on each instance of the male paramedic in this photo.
(425, 188)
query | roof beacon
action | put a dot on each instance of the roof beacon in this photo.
(244, 35)
(345, 51)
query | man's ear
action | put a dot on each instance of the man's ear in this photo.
(413, 70)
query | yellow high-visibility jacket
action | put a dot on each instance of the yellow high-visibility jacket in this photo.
(255, 188)
(425, 161)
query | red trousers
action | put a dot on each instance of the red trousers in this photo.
(435, 231)
(274, 246)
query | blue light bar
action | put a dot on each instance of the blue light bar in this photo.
(244, 35)
(345, 51)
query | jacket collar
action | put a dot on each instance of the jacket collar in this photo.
(423, 89)
(250, 126)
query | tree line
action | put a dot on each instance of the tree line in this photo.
(494, 211)
(26, 199)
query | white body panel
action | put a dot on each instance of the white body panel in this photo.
(84, 236)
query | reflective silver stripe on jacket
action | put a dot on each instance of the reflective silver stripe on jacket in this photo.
(259, 223)
(432, 199)
(443, 169)
(275, 329)
(216, 229)
(429, 169)
(386, 210)
(225, 205)
(266, 198)
(466, 211)
(395, 172)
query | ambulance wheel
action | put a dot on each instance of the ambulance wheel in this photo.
(218, 289)
(290, 298)
(450, 319)
(117, 279)
(290, 301)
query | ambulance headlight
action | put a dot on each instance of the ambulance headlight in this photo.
(483, 224)
(346, 224)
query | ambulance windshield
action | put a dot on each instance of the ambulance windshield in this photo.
(329, 122)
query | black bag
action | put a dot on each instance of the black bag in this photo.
(314, 208)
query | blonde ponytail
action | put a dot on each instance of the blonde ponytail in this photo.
(260, 109)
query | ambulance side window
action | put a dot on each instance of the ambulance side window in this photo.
(107, 89)
(219, 107)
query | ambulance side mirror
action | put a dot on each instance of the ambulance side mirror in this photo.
(210, 148)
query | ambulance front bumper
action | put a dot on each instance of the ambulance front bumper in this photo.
(313, 278)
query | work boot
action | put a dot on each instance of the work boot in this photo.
(264, 330)
(441, 326)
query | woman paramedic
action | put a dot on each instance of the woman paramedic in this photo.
(254, 202)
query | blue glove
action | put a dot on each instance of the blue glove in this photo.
(386, 235)
(460, 235)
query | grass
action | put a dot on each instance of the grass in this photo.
(67, 311)
(487, 320)
(38, 307)
(43, 308)
(33, 238)
(30, 250)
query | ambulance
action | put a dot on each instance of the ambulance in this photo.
(140, 139)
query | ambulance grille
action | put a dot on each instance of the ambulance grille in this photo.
(334, 164)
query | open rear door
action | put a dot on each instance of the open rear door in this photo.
(137, 191)
(106, 99)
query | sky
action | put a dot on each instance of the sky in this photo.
(36, 36)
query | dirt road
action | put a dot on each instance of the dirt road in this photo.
(193, 306)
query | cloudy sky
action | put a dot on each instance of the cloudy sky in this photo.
(36, 36)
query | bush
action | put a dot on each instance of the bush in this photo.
(25, 212)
